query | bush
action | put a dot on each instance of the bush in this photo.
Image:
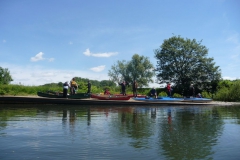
(2, 92)
(177, 95)
(162, 94)
(206, 94)
(231, 94)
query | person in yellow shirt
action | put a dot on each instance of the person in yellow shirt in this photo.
(73, 86)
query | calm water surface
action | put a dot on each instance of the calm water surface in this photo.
(119, 132)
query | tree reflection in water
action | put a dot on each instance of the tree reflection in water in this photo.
(192, 134)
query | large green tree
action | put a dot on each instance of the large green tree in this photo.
(5, 77)
(184, 61)
(139, 68)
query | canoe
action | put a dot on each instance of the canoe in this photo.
(51, 94)
(131, 95)
(197, 100)
(109, 97)
(158, 99)
(169, 99)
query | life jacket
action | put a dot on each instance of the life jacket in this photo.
(73, 84)
(168, 87)
(65, 85)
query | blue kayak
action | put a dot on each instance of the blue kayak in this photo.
(170, 99)
(159, 99)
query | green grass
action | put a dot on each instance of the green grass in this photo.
(228, 94)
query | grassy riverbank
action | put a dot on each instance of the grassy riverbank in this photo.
(227, 92)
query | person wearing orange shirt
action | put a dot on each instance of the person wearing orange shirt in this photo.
(106, 92)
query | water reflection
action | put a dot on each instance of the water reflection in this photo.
(190, 133)
(88, 116)
(171, 132)
(154, 112)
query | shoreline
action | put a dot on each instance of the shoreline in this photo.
(222, 103)
(90, 101)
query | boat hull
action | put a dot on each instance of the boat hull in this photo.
(169, 99)
(159, 99)
(60, 95)
(131, 95)
(110, 97)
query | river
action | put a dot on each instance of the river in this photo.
(119, 132)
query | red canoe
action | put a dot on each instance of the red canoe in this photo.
(110, 97)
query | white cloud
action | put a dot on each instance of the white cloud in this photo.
(44, 74)
(87, 52)
(233, 38)
(38, 57)
(33, 75)
(106, 54)
(4, 41)
(70, 43)
(50, 59)
(98, 69)
(230, 78)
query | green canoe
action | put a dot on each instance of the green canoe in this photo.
(51, 94)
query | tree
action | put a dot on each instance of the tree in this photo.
(139, 69)
(60, 84)
(108, 83)
(184, 61)
(5, 77)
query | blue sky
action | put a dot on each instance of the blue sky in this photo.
(54, 40)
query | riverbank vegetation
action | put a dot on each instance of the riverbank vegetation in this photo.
(227, 90)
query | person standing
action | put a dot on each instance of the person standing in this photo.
(123, 87)
(65, 89)
(169, 90)
(191, 91)
(73, 86)
(89, 87)
(134, 87)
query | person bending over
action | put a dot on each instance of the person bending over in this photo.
(153, 93)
